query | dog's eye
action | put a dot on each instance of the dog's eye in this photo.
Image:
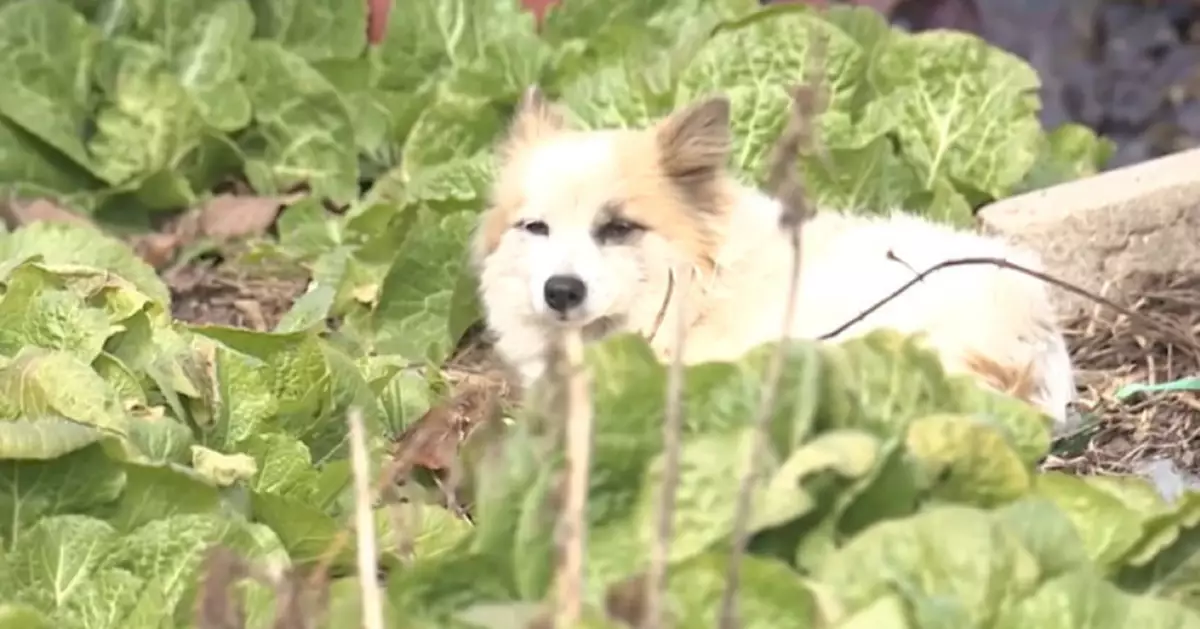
(537, 228)
(616, 230)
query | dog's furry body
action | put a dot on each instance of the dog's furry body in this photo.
(620, 217)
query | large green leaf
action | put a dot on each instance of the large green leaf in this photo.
(74, 483)
(755, 63)
(206, 45)
(314, 30)
(304, 134)
(953, 566)
(415, 296)
(1081, 599)
(965, 110)
(48, 51)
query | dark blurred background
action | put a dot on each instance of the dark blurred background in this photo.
(1128, 69)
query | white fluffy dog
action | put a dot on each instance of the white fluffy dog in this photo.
(594, 229)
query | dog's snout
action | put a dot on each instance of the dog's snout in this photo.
(563, 292)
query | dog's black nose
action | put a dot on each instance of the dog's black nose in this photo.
(563, 292)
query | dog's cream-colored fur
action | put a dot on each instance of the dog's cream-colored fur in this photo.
(558, 187)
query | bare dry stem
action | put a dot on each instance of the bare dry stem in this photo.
(572, 523)
(364, 524)
(784, 184)
(656, 583)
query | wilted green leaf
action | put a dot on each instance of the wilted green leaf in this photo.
(223, 469)
(38, 312)
(70, 244)
(31, 388)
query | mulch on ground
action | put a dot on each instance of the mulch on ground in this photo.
(220, 292)
(1110, 350)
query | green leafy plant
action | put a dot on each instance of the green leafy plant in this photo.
(131, 442)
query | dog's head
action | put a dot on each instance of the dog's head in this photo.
(585, 227)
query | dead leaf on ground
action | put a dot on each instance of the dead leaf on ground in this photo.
(227, 216)
(20, 212)
(158, 250)
(432, 441)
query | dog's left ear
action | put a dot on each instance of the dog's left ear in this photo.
(694, 142)
(535, 119)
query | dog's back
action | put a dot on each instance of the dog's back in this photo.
(995, 323)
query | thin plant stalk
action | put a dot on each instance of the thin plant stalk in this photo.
(786, 187)
(656, 583)
(572, 524)
(364, 525)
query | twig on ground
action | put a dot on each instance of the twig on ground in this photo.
(364, 524)
(656, 583)
(571, 535)
(784, 183)
(1177, 335)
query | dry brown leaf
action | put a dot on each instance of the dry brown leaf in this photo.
(433, 440)
(158, 250)
(227, 216)
(19, 212)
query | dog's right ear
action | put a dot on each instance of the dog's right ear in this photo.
(535, 119)
(694, 142)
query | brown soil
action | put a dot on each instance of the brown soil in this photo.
(228, 293)
(1110, 352)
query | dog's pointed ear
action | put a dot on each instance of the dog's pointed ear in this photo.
(694, 142)
(535, 118)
